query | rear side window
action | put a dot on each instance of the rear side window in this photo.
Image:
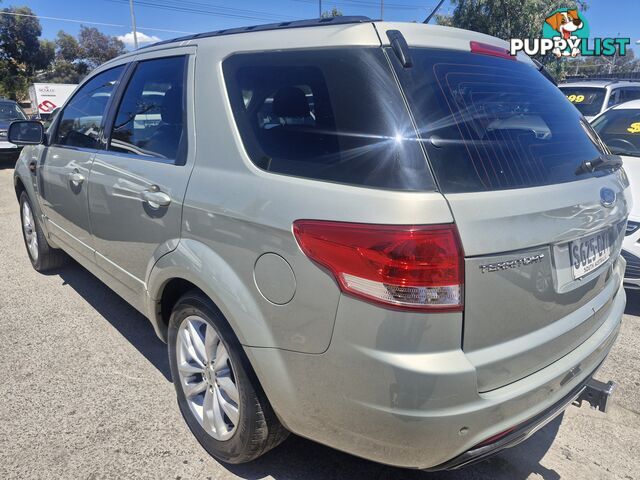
(628, 94)
(81, 122)
(620, 130)
(150, 117)
(333, 115)
(489, 123)
(588, 100)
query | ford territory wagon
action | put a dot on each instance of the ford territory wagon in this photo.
(394, 239)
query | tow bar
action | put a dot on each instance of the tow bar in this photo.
(597, 393)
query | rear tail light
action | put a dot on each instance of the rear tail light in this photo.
(492, 50)
(407, 267)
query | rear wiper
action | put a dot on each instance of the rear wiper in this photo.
(600, 163)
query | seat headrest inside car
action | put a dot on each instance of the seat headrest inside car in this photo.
(290, 102)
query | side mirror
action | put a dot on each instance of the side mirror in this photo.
(26, 132)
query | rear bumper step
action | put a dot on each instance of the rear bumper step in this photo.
(596, 393)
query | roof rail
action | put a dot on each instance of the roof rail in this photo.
(611, 80)
(315, 22)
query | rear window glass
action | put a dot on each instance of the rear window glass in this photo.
(333, 115)
(491, 124)
(620, 130)
(588, 100)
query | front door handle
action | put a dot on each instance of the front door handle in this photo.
(155, 198)
(76, 178)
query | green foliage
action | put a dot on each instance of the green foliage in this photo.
(509, 19)
(74, 58)
(25, 57)
(20, 53)
(334, 12)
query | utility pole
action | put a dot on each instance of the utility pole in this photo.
(381, 9)
(319, 8)
(133, 25)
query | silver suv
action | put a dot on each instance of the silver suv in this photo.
(391, 238)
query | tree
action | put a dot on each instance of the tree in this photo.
(334, 12)
(96, 47)
(21, 52)
(74, 58)
(517, 19)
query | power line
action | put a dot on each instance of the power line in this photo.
(204, 9)
(88, 22)
(366, 4)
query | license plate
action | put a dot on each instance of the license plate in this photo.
(588, 253)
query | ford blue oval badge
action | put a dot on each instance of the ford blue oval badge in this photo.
(607, 197)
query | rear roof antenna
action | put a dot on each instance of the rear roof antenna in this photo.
(433, 12)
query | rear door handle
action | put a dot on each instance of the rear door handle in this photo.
(76, 178)
(155, 198)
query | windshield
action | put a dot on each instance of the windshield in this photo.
(588, 100)
(489, 123)
(620, 130)
(10, 111)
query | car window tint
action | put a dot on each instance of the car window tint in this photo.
(10, 111)
(588, 100)
(489, 123)
(150, 117)
(627, 94)
(80, 124)
(330, 114)
(620, 130)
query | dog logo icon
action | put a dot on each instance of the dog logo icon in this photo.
(566, 23)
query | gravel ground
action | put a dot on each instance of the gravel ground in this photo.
(85, 393)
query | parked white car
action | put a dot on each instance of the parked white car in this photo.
(619, 128)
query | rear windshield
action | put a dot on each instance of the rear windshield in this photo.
(489, 123)
(588, 100)
(331, 114)
(620, 130)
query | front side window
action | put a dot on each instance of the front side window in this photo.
(150, 118)
(620, 130)
(588, 100)
(10, 111)
(332, 114)
(489, 123)
(81, 121)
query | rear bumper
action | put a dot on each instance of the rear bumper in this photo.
(519, 434)
(396, 388)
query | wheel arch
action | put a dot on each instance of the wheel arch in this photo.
(18, 186)
(194, 266)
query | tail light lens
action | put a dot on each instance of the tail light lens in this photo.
(407, 267)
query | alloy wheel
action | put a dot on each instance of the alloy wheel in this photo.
(29, 228)
(207, 378)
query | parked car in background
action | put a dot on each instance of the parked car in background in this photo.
(619, 128)
(9, 111)
(594, 96)
(395, 239)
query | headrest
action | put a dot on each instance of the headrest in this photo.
(290, 102)
(171, 110)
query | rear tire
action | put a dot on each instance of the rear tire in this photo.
(238, 423)
(42, 256)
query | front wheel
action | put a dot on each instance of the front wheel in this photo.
(218, 393)
(42, 256)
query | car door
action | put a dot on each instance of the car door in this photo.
(138, 182)
(66, 162)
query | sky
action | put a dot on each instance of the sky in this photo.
(164, 19)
